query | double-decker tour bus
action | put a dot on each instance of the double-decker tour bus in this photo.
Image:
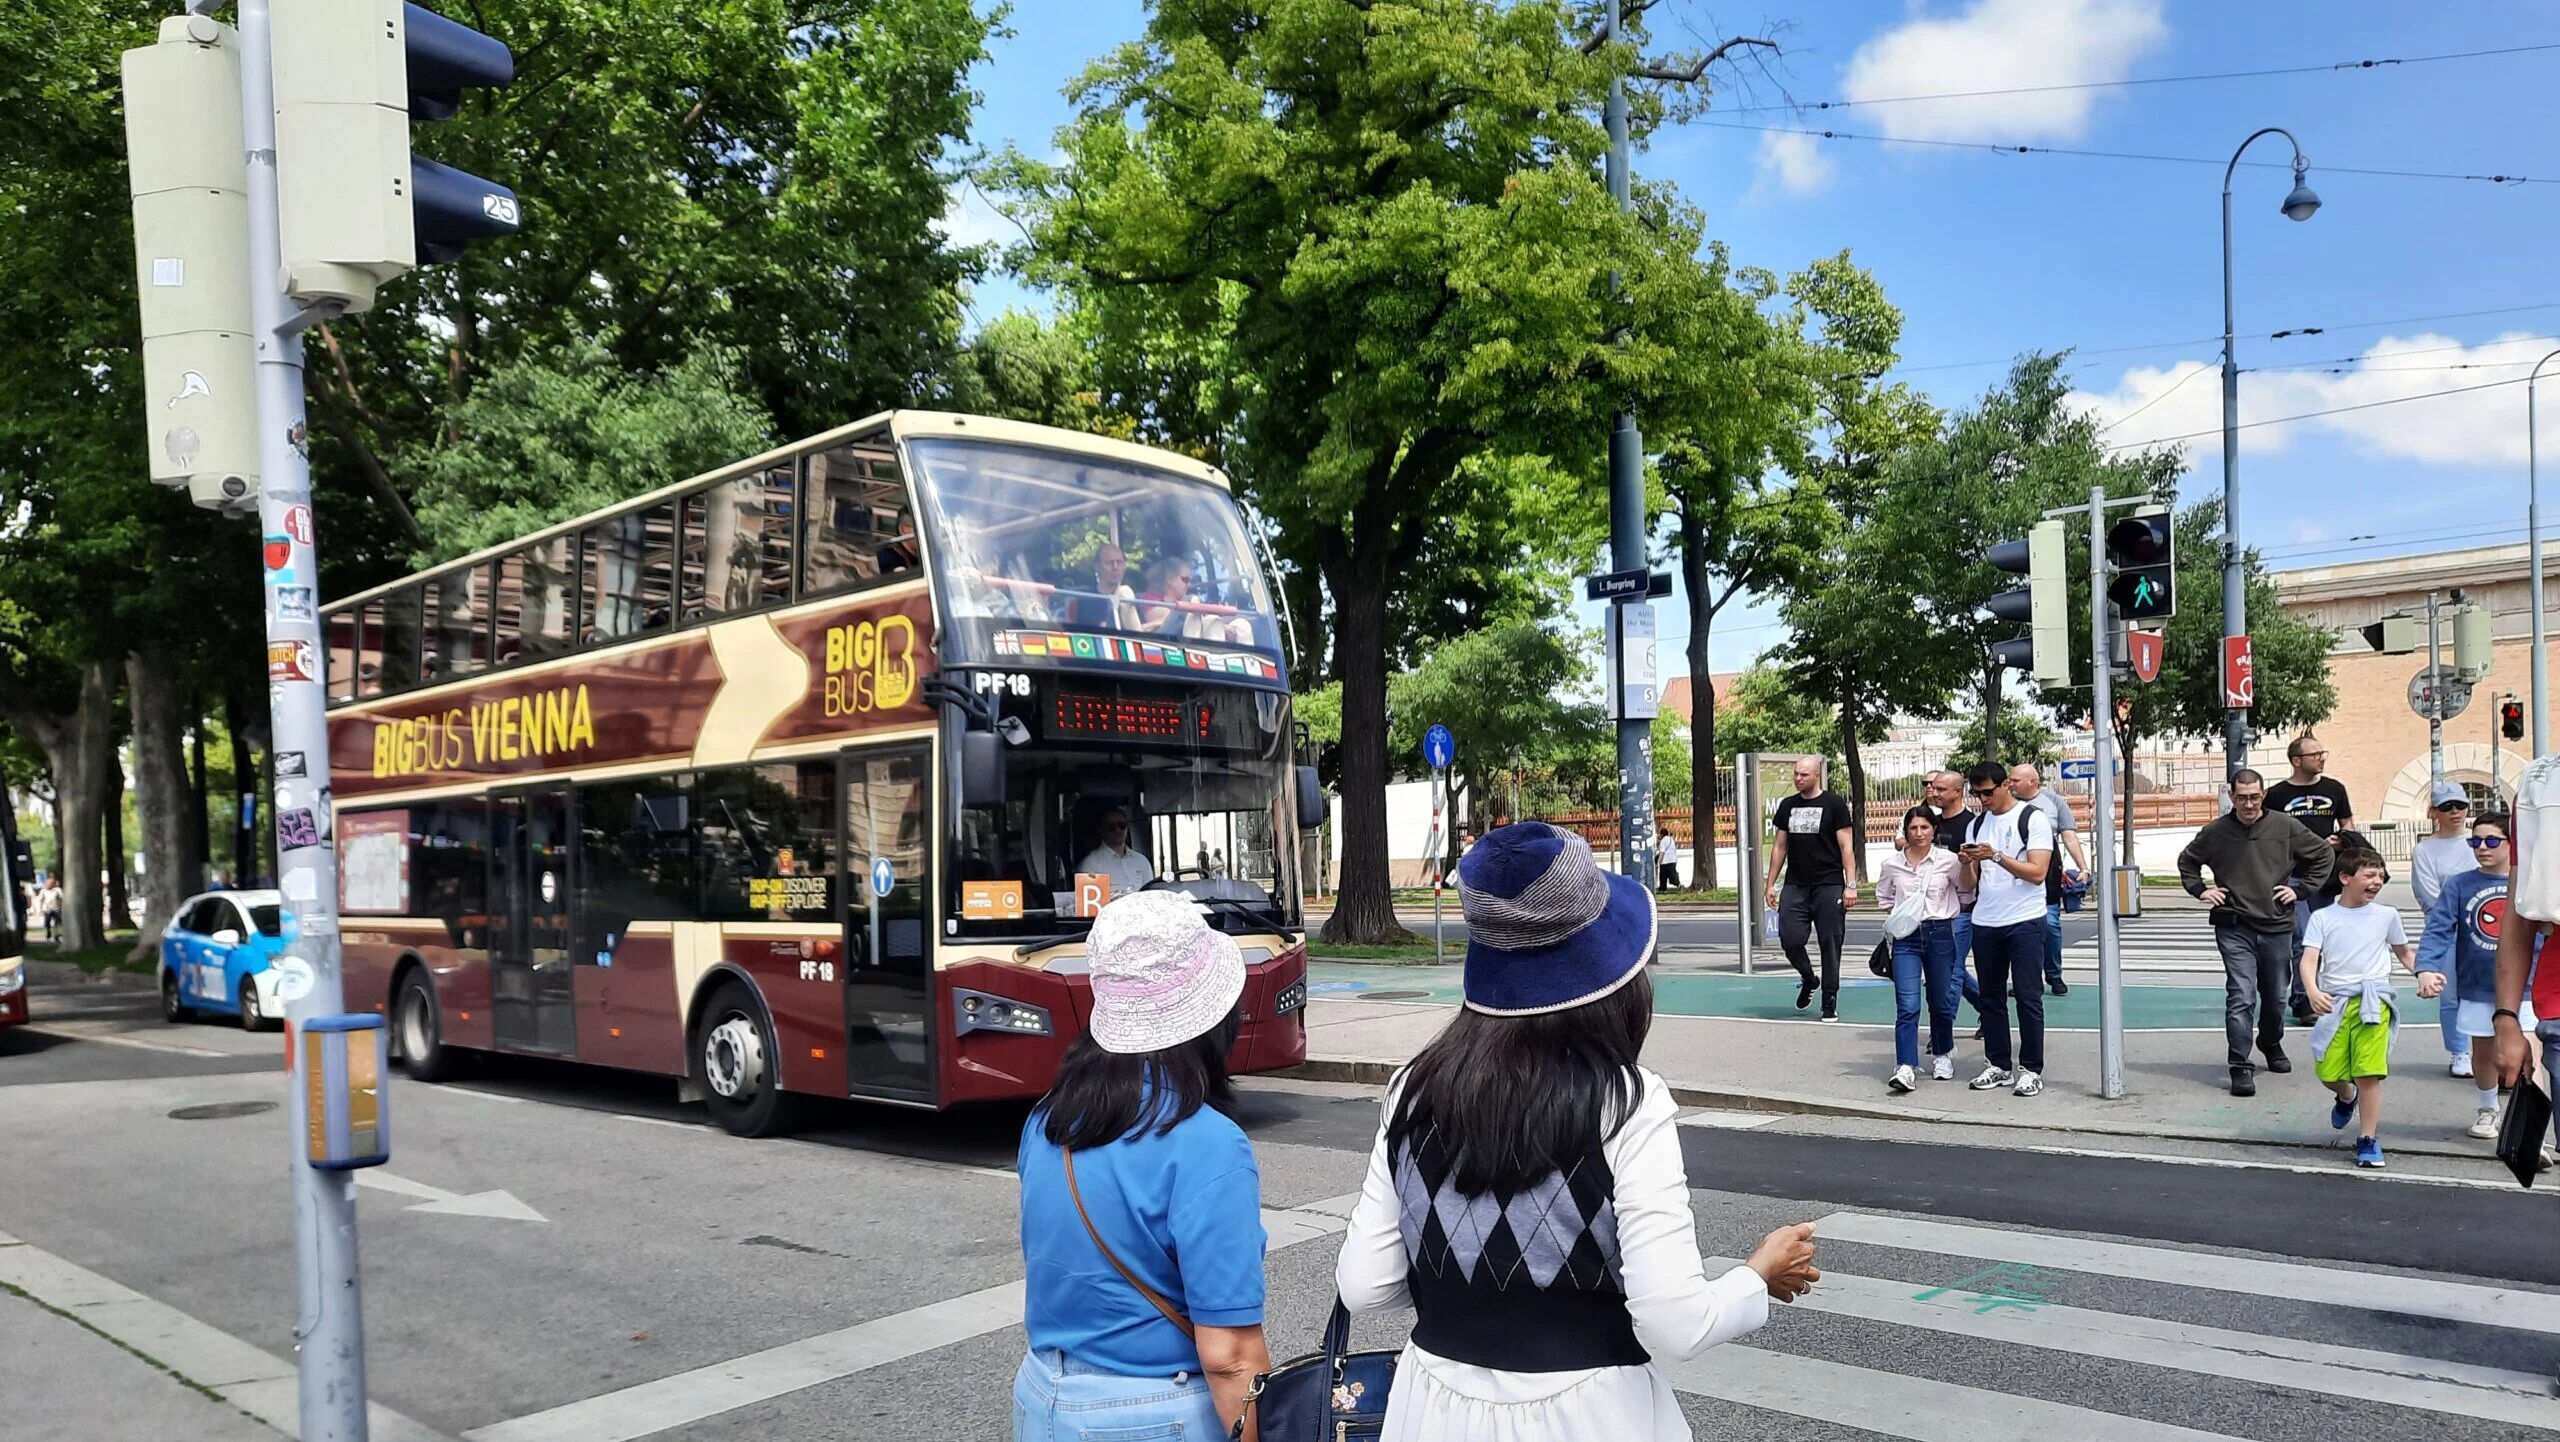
(17, 902)
(806, 776)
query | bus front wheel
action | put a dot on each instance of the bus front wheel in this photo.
(419, 1029)
(734, 1050)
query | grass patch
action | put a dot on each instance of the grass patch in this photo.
(1318, 950)
(109, 955)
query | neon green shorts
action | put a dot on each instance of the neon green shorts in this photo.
(2358, 1048)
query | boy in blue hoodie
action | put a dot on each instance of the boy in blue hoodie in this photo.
(2461, 945)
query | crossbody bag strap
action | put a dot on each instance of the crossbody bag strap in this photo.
(1151, 1294)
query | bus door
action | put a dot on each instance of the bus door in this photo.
(888, 891)
(530, 980)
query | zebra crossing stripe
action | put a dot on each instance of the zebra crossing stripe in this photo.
(2425, 1383)
(1897, 1405)
(2487, 1306)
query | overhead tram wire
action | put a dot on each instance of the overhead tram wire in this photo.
(2001, 148)
(2314, 415)
(2216, 338)
(2339, 67)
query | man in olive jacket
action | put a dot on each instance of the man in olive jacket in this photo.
(2254, 853)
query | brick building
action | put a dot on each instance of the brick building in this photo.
(2377, 745)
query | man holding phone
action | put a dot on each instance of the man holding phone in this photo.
(2255, 854)
(2006, 852)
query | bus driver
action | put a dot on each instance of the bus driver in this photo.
(1127, 866)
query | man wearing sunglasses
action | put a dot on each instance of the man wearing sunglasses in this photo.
(2256, 856)
(2435, 861)
(2461, 945)
(2008, 848)
(1127, 866)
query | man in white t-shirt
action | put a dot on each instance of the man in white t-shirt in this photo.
(2008, 848)
(1127, 866)
(1666, 861)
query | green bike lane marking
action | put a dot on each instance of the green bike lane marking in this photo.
(1863, 998)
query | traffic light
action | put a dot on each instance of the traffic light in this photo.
(191, 247)
(2392, 635)
(2044, 603)
(2511, 719)
(2471, 642)
(2142, 559)
(356, 209)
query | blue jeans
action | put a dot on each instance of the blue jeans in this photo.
(1966, 987)
(1924, 964)
(2003, 953)
(2053, 944)
(1059, 1399)
(2449, 1016)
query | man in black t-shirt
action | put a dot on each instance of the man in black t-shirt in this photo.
(1812, 847)
(2320, 803)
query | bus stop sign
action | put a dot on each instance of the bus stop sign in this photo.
(1439, 748)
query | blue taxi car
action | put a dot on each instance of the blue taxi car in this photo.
(215, 956)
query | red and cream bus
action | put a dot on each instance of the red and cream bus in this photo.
(803, 777)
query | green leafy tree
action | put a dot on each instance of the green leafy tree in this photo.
(546, 438)
(1505, 693)
(1391, 216)
(1765, 713)
(2024, 740)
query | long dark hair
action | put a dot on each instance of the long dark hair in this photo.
(1102, 1096)
(1516, 1098)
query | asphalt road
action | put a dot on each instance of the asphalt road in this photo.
(1975, 1292)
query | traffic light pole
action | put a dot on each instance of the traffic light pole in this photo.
(2102, 714)
(2435, 700)
(330, 1328)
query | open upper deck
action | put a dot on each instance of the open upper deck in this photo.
(1044, 547)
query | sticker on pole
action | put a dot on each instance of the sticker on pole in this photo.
(292, 661)
(2239, 674)
(294, 979)
(883, 876)
(1439, 748)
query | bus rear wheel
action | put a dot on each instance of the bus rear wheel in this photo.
(733, 1049)
(419, 1029)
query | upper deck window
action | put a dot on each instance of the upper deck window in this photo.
(629, 568)
(403, 626)
(457, 608)
(855, 526)
(537, 600)
(1026, 536)
(737, 544)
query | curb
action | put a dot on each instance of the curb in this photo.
(69, 974)
(1379, 1073)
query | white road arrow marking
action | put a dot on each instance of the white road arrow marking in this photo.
(499, 1204)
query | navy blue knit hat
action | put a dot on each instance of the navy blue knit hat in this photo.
(1547, 929)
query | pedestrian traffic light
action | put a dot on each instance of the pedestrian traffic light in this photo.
(2045, 651)
(2472, 641)
(191, 247)
(356, 208)
(2142, 560)
(2511, 719)
(2395, 635)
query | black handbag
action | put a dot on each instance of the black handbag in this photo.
(1880, 960)
(1336, 1395)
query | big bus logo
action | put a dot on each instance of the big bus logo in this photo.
(542, 725)
(871, 666)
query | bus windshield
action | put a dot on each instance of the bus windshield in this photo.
(1129, 788)
(1031, 537)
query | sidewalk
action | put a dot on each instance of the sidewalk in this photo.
(63, 1382)
(2176, 1081)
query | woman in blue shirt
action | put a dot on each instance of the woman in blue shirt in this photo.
(1142, 1231)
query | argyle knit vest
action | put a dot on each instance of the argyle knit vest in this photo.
(1528, 1282)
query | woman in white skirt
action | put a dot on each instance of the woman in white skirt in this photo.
(1526, 1195)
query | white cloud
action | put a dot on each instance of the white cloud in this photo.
(2466, 426)
(1794, 161)
(2002, 45)
(970, 218)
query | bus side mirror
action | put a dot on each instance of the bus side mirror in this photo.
(1311, 807)
(981, 770)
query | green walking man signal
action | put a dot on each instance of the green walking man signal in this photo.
(2142, 554)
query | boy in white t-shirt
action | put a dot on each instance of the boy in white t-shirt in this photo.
(2347, 952)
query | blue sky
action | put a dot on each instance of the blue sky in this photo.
(1993, 254)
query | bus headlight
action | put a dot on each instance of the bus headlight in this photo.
(1293, 997)
(13, 978)
(978, 1011)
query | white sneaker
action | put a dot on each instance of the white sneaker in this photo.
(2459, 1066)
(2029, 1084)
(1943, 1069)
(1992, 1078)
(2485, 1125)
(1903, 1080)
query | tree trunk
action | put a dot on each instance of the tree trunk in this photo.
(111, 847)
(199, 798)
(244, 785)
(1703, 797)
(1355, 569)
(173, 869)
(1857, 768)
(80, 750)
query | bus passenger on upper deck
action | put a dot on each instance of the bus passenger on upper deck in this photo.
(1127, 866)
(1111, 603)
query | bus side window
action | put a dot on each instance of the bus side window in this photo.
(457, 624)
(403, 629)
(449, 867)
(339, 632)
(855, 525)
(635, 859)
(369, 650)
(535, 599)
(737, 544)
(629, 579)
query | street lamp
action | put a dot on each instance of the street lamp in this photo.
(2533, 545)
(2300, 204)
